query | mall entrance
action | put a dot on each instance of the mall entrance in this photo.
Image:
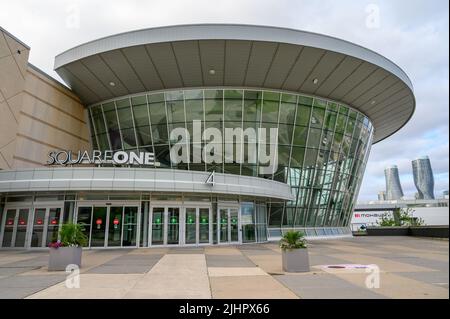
(109, 224)
(25, 226)
(15, 227)
(130, 223)
(178, 224)
(193, 224)
(229, 229)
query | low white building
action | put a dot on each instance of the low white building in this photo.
(432, 212)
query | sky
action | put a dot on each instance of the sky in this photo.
(412, 33)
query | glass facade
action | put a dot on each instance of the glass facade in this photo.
(322, 145)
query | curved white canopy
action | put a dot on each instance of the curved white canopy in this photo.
(216, 55)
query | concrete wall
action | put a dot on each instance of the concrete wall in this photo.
(37, 113)
(51, 118)
(13, 72)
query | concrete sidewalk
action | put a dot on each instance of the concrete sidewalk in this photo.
(409, 268)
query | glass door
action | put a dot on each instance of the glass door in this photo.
(157, 226)
(115, 226)
(196, 225)
(204, 225)
(122, 226)
(8, 228)
(98, 226)
(84, 218)
(223, 230)
(129, 231)
(234, 225)
(173, 225)
(109, 226)
(190, 226)
(46, 225)
(53, 225)
(37, 235)
(15, 226)
(22, 225)
(228, 225)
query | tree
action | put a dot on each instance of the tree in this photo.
(400, 217)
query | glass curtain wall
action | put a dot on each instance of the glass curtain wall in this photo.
(322, 145)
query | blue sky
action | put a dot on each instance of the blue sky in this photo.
(413, 34)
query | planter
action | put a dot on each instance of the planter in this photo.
(295, 260)
(63, 256)
(387, 231)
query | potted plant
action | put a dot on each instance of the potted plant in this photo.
(294, 252)
(67, 250)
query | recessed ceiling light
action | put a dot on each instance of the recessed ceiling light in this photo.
(212, 71)
(315, 81)
(112, 83)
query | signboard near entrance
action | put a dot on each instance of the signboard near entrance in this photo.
(97, 157)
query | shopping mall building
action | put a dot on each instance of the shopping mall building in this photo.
(192, 135)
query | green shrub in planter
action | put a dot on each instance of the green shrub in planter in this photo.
(294, 252)
(72, 235)
(68, 249)
(293, 240)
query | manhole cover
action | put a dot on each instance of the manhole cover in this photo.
(347, 266)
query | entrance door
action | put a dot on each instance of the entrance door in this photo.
(190, 226)
(196, 225)
(157, 229)
(46, 226)
(173, 225)
(205, 225)
(15, 225)
(228, 225)
(98, 226)
(223, 226)
(115, 226)
(165, 225)
(109, 226)
(84, 218)
(122, 226)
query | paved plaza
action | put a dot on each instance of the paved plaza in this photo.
(408, 268)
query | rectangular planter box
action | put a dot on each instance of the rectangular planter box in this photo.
(429, 231)
(61, 257)
(295, 260)
(421, 231)
(387, 231)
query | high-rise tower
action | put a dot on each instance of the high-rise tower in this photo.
(393, 186)
(423, 177)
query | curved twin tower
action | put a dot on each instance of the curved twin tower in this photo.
(423, 179)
